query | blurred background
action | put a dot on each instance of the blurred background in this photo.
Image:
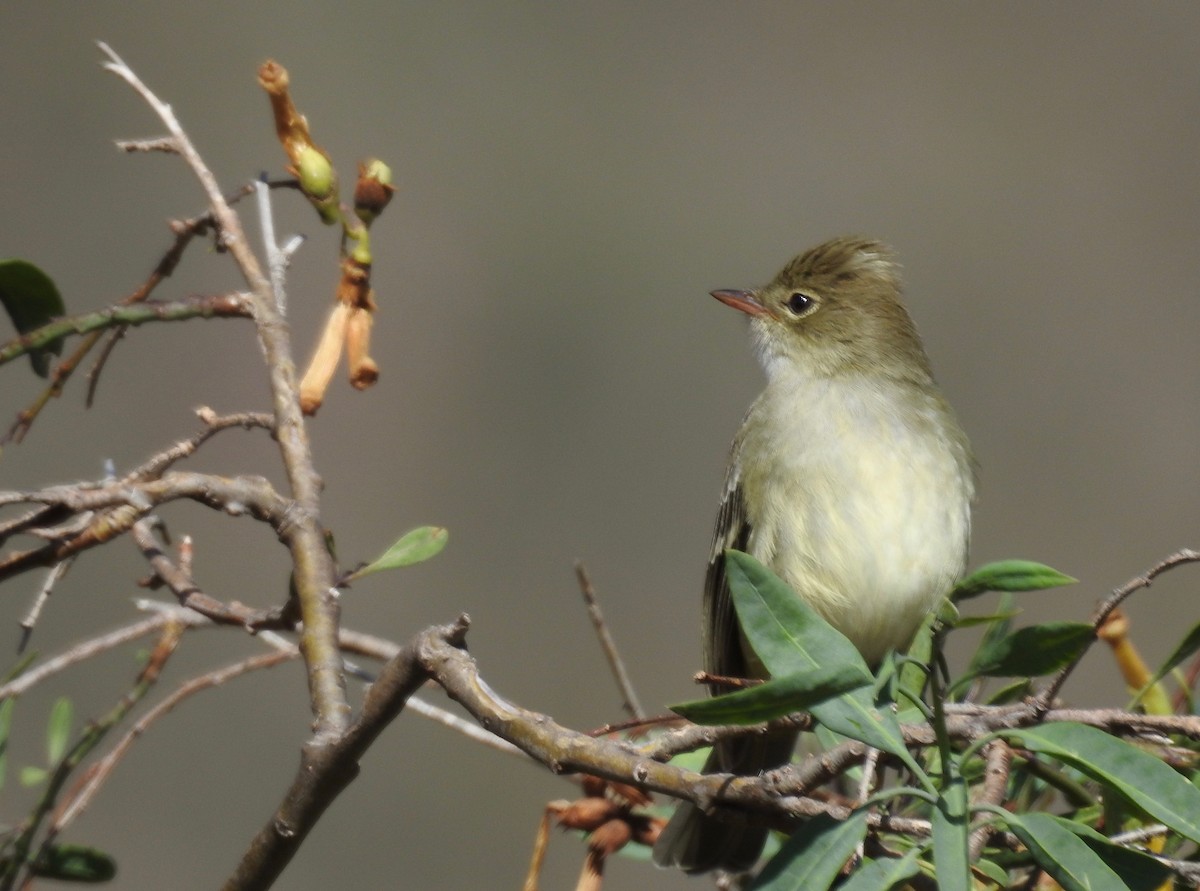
(556, 382)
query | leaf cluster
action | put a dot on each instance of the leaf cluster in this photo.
(997, 808)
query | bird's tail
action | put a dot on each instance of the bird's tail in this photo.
(695, 841)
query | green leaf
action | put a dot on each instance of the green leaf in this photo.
(1136, 775)
(58, 730)
(785, 632)
(32, 776)
(972, 621)
(776, 698)
(1189, 645)
(1009, 575)
(882, 874)
(813, 857)
(413, 547)
(31, 300)
(1011, 692)
(1140, 872)
(950, 831)
(74, 863)
(913, 673)
(789, 637)
(993, 872)
(1063, 854)
(1034, 651)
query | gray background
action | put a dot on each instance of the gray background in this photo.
(556, 383)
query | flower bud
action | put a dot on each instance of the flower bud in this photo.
(373, 190)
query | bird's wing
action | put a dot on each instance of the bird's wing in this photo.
(721, 636)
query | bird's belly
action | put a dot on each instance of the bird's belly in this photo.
(871, 533)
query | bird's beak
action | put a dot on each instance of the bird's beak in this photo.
(746, 301)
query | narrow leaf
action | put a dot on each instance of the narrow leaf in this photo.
(776, 698)
(32, 776)
(1035, 651)
(882, 874)
(950, 830)
(1010, 575)
(814, 856)
(1136, 775)
(413, 547)
(31, 299)
(785, 632)
(58, 730)
(790, 637)
(1189, 645)
(914, 674)
(1140, 872)
(1063, 854)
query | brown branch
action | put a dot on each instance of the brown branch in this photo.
(313, 566)
(327, 768)
(120, 504)
(191, 597)
(213, 424)
(56, 574)
(994, 791)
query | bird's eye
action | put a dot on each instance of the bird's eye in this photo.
(799, 303)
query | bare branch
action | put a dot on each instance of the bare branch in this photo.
(995, 788)
(213, 424)
(190, 595)
(314, 572)
(53, 577)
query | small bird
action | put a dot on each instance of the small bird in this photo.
(850, 478)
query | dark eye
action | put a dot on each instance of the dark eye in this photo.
(799, 303)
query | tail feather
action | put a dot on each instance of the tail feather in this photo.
(695, 841)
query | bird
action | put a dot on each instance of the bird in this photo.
(850, 478)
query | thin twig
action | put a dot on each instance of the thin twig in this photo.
(105, 766)
(53, 577)
(1110, 603)
(190, 595)
(87, 649)
(154, 144)
(466, 728)
(202, 306)
(213, 424)
(328, 767)
(607, 644)
(275, 262)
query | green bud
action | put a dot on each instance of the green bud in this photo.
(316, 174)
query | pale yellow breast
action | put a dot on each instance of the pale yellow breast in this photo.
(858, 496)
